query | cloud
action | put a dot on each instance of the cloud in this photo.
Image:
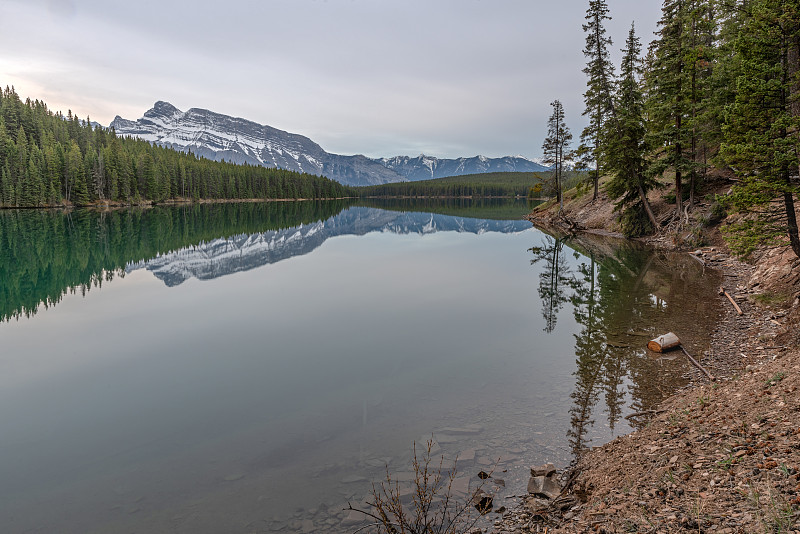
(451, 77)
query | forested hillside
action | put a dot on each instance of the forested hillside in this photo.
(718, 89)
(497, 184)
(47, 159)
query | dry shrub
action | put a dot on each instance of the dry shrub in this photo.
(434, 506)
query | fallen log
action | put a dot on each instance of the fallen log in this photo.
(736, 306)
(664, 342)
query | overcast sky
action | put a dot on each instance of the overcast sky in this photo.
(446, 78)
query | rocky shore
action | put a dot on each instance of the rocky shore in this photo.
(720, 456)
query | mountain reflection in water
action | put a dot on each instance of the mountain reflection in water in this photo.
(46, 253)
(243, 252)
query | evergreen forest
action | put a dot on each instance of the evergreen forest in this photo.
(47, 159)
(500, 209)
(484, 185)
(715, 95)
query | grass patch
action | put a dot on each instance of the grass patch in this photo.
(768, 299)
(774, 380)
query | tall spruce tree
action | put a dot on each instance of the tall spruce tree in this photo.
(626, 145)
(556, 147)
(679, 99)
(762, 136)
(668, 96)
(598, 95)
(700, 53)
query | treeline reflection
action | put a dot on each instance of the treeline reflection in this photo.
(621, 295)
(45, 254)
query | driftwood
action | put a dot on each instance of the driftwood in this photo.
(698, 258)
(642, 414)
(664, 342)
(671, 341)
(697, 364)
(736, 306)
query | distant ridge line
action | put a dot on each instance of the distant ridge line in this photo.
(222, 137)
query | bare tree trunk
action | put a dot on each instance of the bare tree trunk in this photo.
(791, 222)
(793, 73)
(692, 171)
(678, 137)
(647, 208)
(597, 153)
(678, 184)
(596, 177)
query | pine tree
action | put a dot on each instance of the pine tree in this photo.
(32, 186)
(668, 102)
(6, 187)
(99, 176)
(731, 18)
(147, 177)
(626, 146)
(700, 53)
(762, 135)
(598, 98)
(73, 179)
(556, 147)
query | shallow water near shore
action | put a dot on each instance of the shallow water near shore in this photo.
(254, 367)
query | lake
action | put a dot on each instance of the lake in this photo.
(253, 367)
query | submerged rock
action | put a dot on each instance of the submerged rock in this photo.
(484, 504)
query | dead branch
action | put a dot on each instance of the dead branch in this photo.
(697, 364)
(434, 507)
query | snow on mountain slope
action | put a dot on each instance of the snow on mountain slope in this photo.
(426, 167)
(222, 137)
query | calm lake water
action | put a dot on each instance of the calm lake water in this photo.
(254, 367)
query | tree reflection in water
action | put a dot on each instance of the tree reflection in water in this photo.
(621, 296)
(554, 279)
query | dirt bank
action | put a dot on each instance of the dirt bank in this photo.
(719, 456)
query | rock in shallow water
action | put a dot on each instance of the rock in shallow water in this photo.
(544, 470)
(544, 486)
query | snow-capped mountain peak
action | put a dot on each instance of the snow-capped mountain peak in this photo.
(222, 137)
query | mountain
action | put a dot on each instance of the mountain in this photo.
(426, 167)
(221, 137)
(222, 256)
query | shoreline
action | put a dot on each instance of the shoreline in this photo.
(719, 456)
(109, 205)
